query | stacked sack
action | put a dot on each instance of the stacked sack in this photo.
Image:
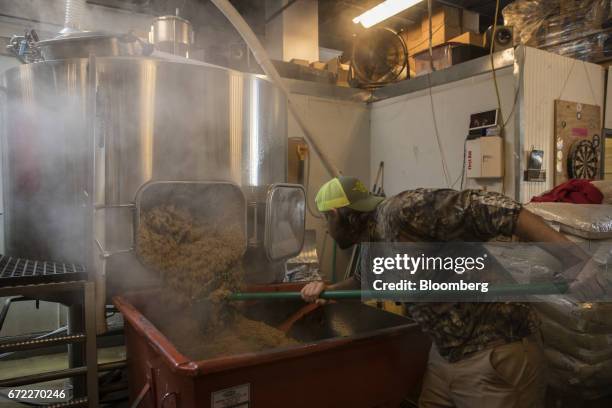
(577, 336)
(577, 340)
(605, 186)
(573, 28)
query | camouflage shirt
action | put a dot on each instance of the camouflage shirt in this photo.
(457, 329)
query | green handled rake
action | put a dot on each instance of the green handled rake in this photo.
(515, 289)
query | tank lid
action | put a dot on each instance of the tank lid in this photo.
(100, 43)
(77, 36)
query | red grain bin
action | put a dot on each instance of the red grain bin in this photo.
(351, 355)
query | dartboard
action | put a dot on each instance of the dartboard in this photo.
(582, 160)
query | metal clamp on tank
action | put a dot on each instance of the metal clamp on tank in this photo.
(24, 47)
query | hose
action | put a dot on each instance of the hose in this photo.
(43, 336)
(262, 58)
(73, 16)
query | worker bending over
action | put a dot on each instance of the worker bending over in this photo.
(484, 354)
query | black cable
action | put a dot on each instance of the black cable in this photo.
(430, 47)
(463, 165)
(494, 71)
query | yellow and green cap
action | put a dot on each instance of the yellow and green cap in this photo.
(344, 191)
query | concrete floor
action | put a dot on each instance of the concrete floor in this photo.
(50, 362)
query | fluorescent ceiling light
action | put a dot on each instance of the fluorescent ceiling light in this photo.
(383, 11)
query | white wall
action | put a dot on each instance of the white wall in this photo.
(343, 131)
(295, 32)
(403, 133)
(546, 78)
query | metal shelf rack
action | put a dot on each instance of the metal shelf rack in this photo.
(64, 283)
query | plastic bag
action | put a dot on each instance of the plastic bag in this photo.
(589, 348)
(573, 28)
(579, 373)
(584, 317)
(605, 186)
(591, 221)
(562, 381)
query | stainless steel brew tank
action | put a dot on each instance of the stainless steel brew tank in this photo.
(73, 141)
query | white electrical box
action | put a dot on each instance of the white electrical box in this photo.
(485, 157)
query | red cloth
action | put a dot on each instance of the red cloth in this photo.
(575, 191)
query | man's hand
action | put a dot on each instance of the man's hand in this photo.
(310, 292)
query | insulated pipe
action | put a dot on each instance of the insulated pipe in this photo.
(73, 16)
(262, 58)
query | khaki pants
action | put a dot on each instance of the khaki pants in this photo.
(507, 376)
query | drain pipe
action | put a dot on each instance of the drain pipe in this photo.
(262, 58)
(73, 16)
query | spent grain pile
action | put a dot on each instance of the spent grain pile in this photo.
(200, 263)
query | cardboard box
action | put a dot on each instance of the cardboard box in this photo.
(470, 21)
(443, 35)
(301, 62)
(444, 16)
(439, 37)
(446, 24)
(412, 36)
(339, 70)
(342, 78)
(318, 65)
(448, 16)
(334, 66)
(445, 56)
(412, 67)
(449, 24)
(470, 39)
